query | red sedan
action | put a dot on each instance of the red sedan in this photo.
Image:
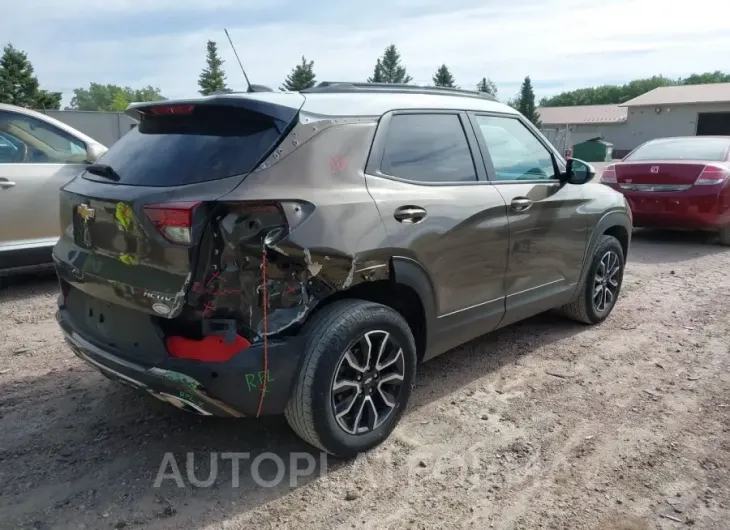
(681, 182)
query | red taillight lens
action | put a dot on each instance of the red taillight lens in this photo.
(172, 109)
(173, 220)
(609, 175)
(712, 175)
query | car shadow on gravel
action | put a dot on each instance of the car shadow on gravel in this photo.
(90, 447)
(672, 246)
(14, 288)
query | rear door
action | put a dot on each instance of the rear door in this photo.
(36, 159)
(439, 210)
(548, 233)
(134, 222)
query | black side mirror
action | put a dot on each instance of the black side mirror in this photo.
(578, 172)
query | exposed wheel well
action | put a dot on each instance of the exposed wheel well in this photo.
(397, 296)
(620, 233)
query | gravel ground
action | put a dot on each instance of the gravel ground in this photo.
(545, 424)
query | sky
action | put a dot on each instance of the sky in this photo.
(561, 44)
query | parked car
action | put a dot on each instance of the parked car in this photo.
(301, 253)
(38, 155)
(677, 183)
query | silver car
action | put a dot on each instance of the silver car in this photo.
(38, 155)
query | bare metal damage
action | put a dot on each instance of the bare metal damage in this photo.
(228, 283)
(297, 279)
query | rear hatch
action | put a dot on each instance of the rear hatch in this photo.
(132, 224)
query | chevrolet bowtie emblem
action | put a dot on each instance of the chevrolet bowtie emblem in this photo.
(86, 213)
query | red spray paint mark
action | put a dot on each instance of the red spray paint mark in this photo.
(209, 307)
(339, 164)
(214, 276)
(198, 288)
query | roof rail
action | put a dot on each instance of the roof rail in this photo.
(334, 87)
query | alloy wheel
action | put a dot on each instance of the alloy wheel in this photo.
(367, 382)
(606, 282)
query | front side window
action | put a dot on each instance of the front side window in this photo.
(27, 140)
(515, 151)
(429, 148)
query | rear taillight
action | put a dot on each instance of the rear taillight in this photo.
(173, 220)
(712, 175)
(609, 175)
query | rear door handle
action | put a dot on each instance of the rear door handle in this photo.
(521, 204)
(409, 214)
(5, 183)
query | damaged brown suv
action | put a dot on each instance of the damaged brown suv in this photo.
(301, 253)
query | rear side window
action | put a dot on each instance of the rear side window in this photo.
(703, 149)
(428, 148)
(212, 142)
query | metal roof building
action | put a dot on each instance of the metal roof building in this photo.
(685, 110)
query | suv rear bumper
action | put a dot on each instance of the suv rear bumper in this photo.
(227, 389)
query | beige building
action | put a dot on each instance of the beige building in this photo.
(687, 110)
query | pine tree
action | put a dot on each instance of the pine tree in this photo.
(488, 86)
(301, 77)
(377, 74)
(213, 78)
(443, 77)
(388, 69)
(526, 102)
(18, 85)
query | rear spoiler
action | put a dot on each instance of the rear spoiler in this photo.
(280, 106)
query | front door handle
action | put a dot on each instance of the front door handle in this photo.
(5, 183)
(410, 214)
(521, 204)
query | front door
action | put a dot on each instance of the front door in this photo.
(439, 210)
(548, 233)
(36, 159)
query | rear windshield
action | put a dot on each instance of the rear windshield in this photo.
(703, 149)
(213, 142)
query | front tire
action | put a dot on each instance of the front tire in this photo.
(602, 284)
(356, 377)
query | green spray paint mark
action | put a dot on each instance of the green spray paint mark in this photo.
(182, 378)
(255, 381)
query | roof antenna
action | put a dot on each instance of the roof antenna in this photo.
(239, 61)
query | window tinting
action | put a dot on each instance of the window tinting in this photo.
(516, 153)
(708, 149)
(428, 148)
(213, 142)
(27, 140)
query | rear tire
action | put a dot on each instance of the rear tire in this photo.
(333, 377)
(725, 236)
(601, 285)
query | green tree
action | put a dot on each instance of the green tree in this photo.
(443, 77)
(615, 94)
(706, 78)
(301, 77)
(18, 85)
(377, 74)
(389, 69)
(111, 97)
(488, 86)
(213, 78)
(526, 102)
